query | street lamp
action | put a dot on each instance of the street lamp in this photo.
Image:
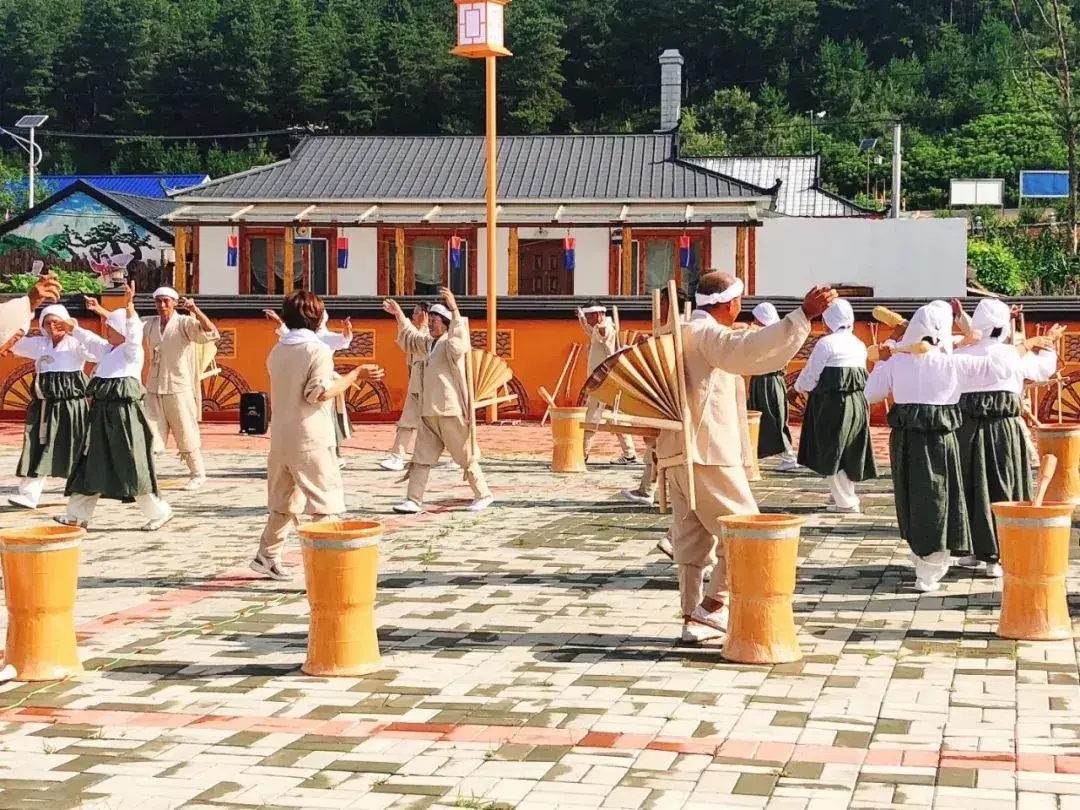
(812, 114)
(480, 36)
(30, 122)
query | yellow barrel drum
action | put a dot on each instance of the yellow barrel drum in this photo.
(1034, 542)
(568, 440)
(41, 578)
(341, 569)
(762, 557)
(753, 422)
(1062, 441)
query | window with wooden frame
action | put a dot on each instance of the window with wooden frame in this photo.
(655, 260)
(427, 261)
(262, 260)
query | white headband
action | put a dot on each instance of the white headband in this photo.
(598, 309)
(439, 309)
(167, 292)
(55, 311)
(730, 294)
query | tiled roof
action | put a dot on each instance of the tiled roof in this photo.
(443, 168)
(142, 185)
(799, 195)
(150, 208)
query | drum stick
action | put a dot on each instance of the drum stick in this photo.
(548, 398)
(1046, 475)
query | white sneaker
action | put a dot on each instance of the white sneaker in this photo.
(268, 568)
(971, 561)
(787, 466)
(694, 633)
(625, 461)
(927, 587)
(408, 508)
(844, 510)
(341, 462)
(480, 504)
(634, 496)
(393, 463)
(157, 523)
(994, 571)
(665, 547)
(64, 520)
(717, 620)
(22, 502)
(197, 482)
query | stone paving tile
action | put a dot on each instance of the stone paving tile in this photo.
(530, 661)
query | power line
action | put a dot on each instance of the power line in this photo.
(116, 136)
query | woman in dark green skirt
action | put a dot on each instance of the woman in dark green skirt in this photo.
(56, 416)
(926, 379)
(993, 454)
(116, 459)
(835, 440)
(768, 396)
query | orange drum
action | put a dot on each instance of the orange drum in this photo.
(1062, 441)
(568, 440)
(1034, 542)
(341, 568)
(41, 578)
(753, 421)
(762, 553)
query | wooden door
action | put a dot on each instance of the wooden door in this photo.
(542, 268)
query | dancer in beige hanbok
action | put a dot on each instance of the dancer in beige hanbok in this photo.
(173, 387)
(716, 355)
(410, 411)
(603, 342)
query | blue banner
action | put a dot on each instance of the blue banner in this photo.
(1044, 184)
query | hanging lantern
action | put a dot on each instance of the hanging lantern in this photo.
(232, 257)
(480, 28)
(684, 252)
(569, 245)
(342, 252)
(455, 252)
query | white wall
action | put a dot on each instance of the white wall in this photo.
(723, 249)
(906, 258)
(361, 277)
(214, 277)
(502, 265)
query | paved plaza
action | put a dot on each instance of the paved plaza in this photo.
(530, 662)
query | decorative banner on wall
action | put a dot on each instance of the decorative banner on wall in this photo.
(569, 253)
(342, 252)
(232, 258)
(684, 252)
(455, 252)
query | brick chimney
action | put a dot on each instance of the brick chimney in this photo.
(671, 65)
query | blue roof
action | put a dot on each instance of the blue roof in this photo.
(140, 185)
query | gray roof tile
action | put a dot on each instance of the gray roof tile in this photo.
(565, 167)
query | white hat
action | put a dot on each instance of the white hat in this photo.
(933, 321)
(54, 311)
(839, 315)
(167, 292)
(766, 314)
(439, 309)
(992, 314)
(117, 320)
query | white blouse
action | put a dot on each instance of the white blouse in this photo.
(838, 350)
(932, 379)
(125, 360)
(66, 356)
(1037, 367)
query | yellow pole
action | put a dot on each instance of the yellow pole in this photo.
(492, 225)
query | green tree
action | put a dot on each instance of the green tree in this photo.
(531, 82)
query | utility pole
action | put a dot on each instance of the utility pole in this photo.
(897, 168)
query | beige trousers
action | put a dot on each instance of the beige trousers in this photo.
(177, 414)
(450, 433)
(593, 410)
(649, 476)
(719, 491)
(297, 484)
(407, 425)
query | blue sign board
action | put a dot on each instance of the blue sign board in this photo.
(1044, 184)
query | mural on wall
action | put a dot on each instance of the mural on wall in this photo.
(80, 233)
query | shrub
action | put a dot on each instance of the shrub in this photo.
(71, 281)
(996, 268)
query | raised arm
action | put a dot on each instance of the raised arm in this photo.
(94, 346)
(198, 328)
(409, 338)
(459, 341)
(763, 352)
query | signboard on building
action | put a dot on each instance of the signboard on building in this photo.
(969, 193)
(1045, 184)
